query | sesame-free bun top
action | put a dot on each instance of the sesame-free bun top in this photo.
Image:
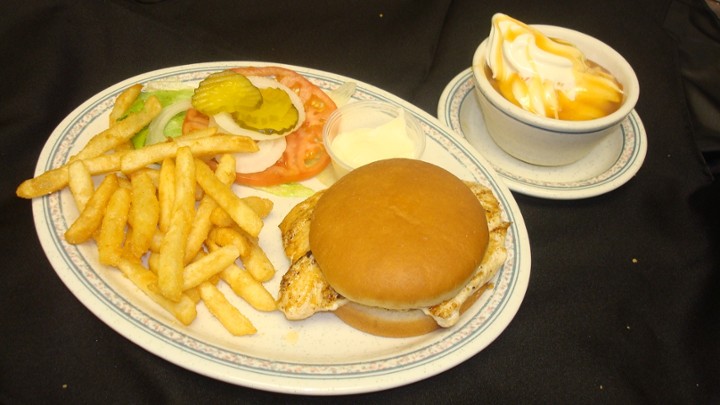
(398, 234)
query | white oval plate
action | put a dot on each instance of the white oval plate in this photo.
(610, 165)
(318, 356)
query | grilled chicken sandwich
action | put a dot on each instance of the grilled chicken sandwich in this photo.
(395, 248)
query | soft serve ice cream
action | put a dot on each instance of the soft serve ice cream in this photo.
(547, 76)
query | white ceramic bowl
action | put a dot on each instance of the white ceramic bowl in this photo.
(368, 114)
(546, 141)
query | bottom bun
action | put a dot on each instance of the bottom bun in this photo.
(385, 322)
(391, 323)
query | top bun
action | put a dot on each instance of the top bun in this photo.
(398, 234)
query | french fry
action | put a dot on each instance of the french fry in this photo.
(120, 132)
(172, 248)
(205, 146)
(209, 265)
(91, 217)
(220, 218)
(124, 147)
(154, 174)
(214, 280)
(112, 230)
(235, 322)
(261, 206)
(256, 262)
(199, 228)
(199, 193)
(104, 163)
(248, 288)
(166, 192)
(153, 261)
(253, 257)
(229, 236)
(197, 134)
(80, 183)
(46, 183)
(183, 309)
(156, 241)
(144, 214)
(123, 102)
(55, 179)
(193, 294)
(124, 182)
(171, 262)
(185, 183)
(201, 223)
(225, 169)
(245, 217)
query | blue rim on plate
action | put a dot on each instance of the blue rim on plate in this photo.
(318, 356)
(610, 165)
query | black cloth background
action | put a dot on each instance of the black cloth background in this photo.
(697, 31)
(622, 303)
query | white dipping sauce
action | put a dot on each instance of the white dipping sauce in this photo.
(366, 145)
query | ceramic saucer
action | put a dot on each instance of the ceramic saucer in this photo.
(611, 164)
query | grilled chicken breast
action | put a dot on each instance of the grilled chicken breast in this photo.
(304, 290)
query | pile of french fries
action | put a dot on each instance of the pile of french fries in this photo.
(162, 216)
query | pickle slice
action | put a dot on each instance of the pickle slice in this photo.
(276, 114)
(225, 91)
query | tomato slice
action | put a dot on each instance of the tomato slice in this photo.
(194, 120)
(305, 156)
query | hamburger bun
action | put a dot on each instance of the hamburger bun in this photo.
(395, 324)
(398, 235)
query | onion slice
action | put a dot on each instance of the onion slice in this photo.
(269, 152)
(156, 129)
(227, 123)
(342, 94)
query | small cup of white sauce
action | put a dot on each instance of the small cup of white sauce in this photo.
(363, 132)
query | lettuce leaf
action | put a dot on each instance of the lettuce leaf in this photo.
(288, 190)
(166, 97)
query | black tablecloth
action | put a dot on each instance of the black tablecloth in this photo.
(622, 304)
